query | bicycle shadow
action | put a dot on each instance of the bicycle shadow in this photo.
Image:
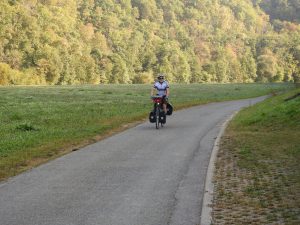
(167, 126)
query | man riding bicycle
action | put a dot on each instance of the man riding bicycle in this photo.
(161, 87)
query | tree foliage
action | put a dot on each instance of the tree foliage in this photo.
(130, 41)
(288, 10)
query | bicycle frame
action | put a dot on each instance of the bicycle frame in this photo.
(157, 110)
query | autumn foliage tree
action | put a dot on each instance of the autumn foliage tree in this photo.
(130, 41)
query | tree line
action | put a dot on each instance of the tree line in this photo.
(130, 41)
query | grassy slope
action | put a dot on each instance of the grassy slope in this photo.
(39, 123)
(257, 175)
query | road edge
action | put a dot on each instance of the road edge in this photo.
(206, 217)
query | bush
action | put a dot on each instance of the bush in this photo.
(26, 127)
(5, 72)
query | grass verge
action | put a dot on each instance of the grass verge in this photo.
(41, 123)
(257, 177)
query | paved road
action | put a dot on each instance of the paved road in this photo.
(142, 176)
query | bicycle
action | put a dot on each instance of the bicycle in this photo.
(157, 116)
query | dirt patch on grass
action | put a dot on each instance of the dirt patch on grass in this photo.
(257, 179)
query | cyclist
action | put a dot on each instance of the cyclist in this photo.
(161, 87)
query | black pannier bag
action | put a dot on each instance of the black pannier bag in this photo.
(169, 109)
(152, 117)
(162, 117)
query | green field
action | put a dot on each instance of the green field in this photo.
(39, 123)
(257, 171)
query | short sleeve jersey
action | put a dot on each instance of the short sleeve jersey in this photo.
(161, 87)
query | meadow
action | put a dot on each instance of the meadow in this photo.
(39, 123)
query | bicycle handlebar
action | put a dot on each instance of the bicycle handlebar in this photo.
(153, 97)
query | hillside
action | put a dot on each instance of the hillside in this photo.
(130, 41)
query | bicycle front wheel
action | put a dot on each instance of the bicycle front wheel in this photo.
(157, 118)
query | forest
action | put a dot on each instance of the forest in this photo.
(59, 42)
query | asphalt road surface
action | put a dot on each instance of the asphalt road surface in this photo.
(142, 176)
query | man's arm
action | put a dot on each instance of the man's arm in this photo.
(167, 92)
(153, 90)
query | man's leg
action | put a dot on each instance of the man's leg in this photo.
(165, 104)
(165, 108)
